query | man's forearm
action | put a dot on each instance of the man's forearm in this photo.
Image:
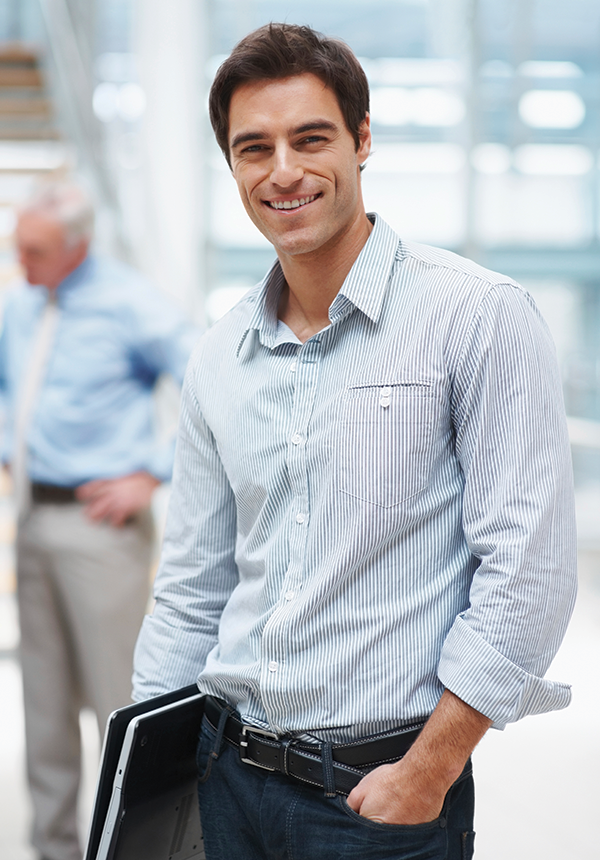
(412, 791)
(448, 738)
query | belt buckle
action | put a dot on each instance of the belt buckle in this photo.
(246, 730)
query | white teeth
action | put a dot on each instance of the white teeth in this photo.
(292, 204)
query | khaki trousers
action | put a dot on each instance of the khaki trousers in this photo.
(82, 591)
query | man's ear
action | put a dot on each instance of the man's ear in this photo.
(364, 134)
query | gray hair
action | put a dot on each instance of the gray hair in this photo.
(67, 203)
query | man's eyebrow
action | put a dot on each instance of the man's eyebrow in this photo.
(245, 138)
(316, 125)
(313, 125)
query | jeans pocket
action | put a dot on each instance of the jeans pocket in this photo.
(411, 841)
(427, 825)
(467, 841)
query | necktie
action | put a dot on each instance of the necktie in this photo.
(44, 338)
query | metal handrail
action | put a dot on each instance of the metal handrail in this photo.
(72, 63)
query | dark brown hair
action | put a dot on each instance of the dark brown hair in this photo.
(280, 51)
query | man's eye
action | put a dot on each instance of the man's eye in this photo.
(256, 147)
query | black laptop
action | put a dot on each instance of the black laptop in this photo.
(146, 805)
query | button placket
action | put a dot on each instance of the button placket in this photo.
(305, 375)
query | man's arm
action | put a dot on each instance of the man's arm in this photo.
(518, 514)
(117, 499)
(197, 570)
(412, 790)
(161, 342)
(518, 521)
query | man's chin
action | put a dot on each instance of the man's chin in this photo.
(295, 244)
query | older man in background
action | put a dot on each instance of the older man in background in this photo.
(83, 345)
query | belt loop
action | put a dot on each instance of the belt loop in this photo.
(328, 774)
(214, 753)
(285, 746)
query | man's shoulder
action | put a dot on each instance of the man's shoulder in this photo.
(19, 297)
(442, 277)
(115, 275)
(451, 266)
(119, 290)
(230, 328)
(17, 290)
(454, 286)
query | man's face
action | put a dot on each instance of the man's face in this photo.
(295, 162)
(43, 251)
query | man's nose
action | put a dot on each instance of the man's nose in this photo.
(287, 168)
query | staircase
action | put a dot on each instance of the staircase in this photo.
(25, 110)
(30, 143)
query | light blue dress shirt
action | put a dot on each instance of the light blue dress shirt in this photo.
(94, 415)
(390, 508)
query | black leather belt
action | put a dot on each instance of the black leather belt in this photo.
(50, 494)
(302, 761)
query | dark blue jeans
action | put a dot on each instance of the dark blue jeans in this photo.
(252, 814)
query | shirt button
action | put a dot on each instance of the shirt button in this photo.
(385, 402)
(300, 518)
(289, 595)
(297, 438)
(293, 367)
(273, 666)
(386, 391)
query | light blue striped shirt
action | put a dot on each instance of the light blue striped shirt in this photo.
(383, 511)
(94, 415)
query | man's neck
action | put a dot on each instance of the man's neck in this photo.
(73, 263)
(314, 280)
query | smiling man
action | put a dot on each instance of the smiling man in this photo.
(386, 564)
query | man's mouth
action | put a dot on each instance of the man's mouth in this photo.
(292, 204)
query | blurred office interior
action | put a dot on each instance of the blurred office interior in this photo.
(486, 118)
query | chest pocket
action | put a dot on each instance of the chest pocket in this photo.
(385, 449)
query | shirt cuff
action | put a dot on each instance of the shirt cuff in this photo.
(482, 677)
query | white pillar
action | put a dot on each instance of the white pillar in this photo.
(169, 40)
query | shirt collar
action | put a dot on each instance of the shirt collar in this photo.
(366, 283)
(81, 273)
(364, 288)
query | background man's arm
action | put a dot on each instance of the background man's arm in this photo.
(161, 343)
(117, 499)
